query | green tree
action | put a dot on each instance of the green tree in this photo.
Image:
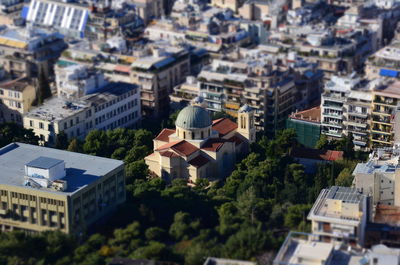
(322, 143)
(155, 233)
(96, 143)
(62, 141)
(12, 132)
(182, 228)
(345, 178)
(43, 90)
(75, 146)
(295, 215)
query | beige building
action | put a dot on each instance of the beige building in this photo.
(199, 147)
(158, 73)
(254, 10)
(231, 4)
(384, 105)
(49, 189)
(24, 51)
(149, 9)
(16, 97)
(380, 177)
(115, 105)
(340, 214)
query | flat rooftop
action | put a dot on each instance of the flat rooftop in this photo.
(321, 208)
(57, 109)
(382, 161)
(301, 246)
(81, 169)
(219, 261)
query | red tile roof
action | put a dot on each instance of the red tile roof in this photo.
(316, 154)
(213, 144)
(224, 126)
(168, 154)
(182, 147)
(164, 134)
(235, 139)
(311, 115)
(199, 161)
(123, 68)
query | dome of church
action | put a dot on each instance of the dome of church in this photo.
(193, 117)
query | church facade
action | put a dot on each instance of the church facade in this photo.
(200, 147)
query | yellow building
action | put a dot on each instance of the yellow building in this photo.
(16, 97)
(385, 100)
(49, 189)
(200, 147)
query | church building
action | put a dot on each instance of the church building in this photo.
(200, 147)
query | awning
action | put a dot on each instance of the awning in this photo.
(387, 72)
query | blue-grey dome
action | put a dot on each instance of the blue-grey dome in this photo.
(193, 117)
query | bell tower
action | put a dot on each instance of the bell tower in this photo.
(246, 123)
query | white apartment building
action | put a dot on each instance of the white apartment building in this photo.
(380, 176)
(116, 105)
(75, 81)
(357, 114)
(332, 104)
(301, 248)
(339, 214)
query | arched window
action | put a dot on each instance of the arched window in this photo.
(184, 135)
(202, 134)
(192, 135)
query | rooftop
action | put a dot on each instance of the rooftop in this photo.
(383, 160)
(310, 115)
(301, 246)
(44, 162)
(56, 109)
(218, 261)
(316, 154)
(81, 169)
(330, 203)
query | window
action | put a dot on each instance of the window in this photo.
(65, 126)
(31, 123)
(41, 125)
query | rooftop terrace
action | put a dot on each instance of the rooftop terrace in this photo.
(81, 169)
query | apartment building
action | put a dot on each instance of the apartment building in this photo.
(385, 62)
(24, 50)
(74, 81)
(107, 20)
(158, 71)
(16, 98)
(115, 105)
(385, 100)
(318, 44)
(49, 189)
(379, 177)
(226, 85)
(301, 248)
(115, 66)
(332, 104)
(307, 124)
(184, 93)
(340, 214)
(150, 9)
(357, 114)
